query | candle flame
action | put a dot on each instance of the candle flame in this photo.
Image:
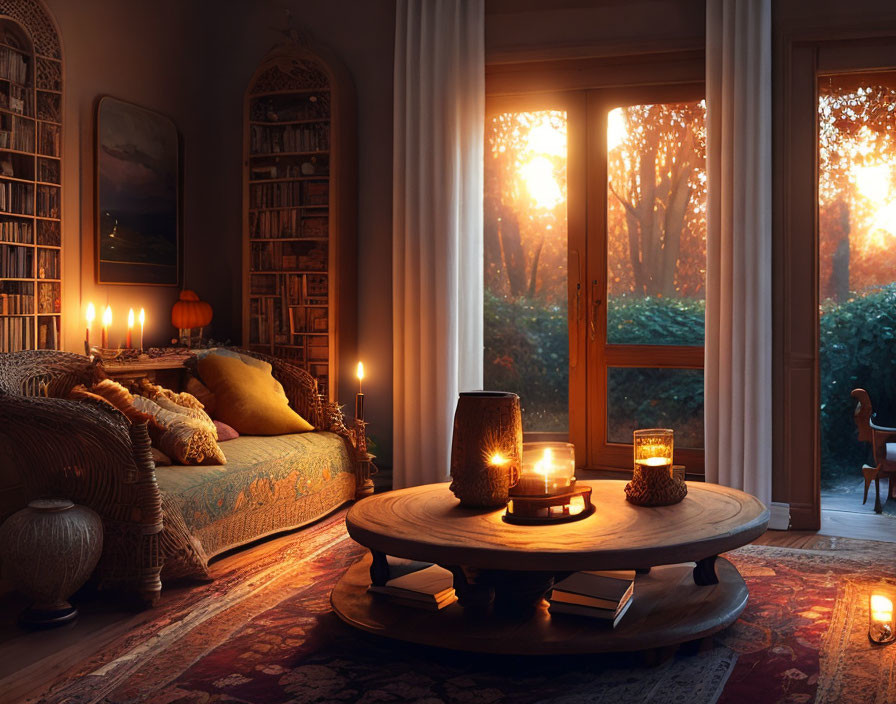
(131, 318)
(881, 608)
(360, 371)
(142, 317)
(546, 464)
(91, 313)
(107, 316)
(498, 460)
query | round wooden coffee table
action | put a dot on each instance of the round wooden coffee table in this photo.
(513, 566)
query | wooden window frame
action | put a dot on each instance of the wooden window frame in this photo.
(586, 87)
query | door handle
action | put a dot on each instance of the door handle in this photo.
(595, 305)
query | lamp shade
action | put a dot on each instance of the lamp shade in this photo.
(190, 312)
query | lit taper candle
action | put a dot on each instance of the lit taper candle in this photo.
(359, 399)
(107, 322)
(130, 327)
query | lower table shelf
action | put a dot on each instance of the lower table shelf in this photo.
(668, 609)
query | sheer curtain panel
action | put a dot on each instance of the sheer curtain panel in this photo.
(437, 280)
(738, 246)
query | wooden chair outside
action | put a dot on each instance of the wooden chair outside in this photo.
(883, 446)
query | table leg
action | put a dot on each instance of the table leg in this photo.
(518, 593)
(705, 572)
(379, 569)
(472, 592)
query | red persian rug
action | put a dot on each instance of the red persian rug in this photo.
(263, 631)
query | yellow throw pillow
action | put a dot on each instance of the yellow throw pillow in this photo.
(248, 398)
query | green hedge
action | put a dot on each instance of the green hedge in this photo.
(527, 352)
(857, 351)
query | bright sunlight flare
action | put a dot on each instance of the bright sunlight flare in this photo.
(538, 175)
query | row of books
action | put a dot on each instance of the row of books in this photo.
(48, 298)
(271, 224)
(291, 108)
(16, 303)
(13, 66)
(310, 166)
(20, 137)
(18, 231)
(16, 334)
(16, 262)
(48, 106)
(17, 198)
(48, 333)
(47, 263)
(289, 139)
(287, 256)
(49, 232)
(49, 140)
(289, 194)
(48, 170)
(48, 201)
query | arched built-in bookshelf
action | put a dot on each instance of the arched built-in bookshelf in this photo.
(299, 244)
(30, 177)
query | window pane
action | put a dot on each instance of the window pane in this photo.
(656, 224)
(655, 398)
(857, 266)
(526, 334)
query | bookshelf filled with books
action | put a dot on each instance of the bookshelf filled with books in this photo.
(30, 182)
(299, 212)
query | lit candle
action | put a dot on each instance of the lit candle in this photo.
(142, 321)
(107, 321)
(130, 327)
(880, 628)
(359, 399)
(498, 460)
(91, 314)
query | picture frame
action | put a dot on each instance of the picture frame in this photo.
(138, 237)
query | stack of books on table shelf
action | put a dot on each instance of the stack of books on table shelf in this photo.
(605, 596)
(420, 585)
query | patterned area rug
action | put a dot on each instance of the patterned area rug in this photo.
(263, 631)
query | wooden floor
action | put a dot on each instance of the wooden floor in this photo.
(28, 660)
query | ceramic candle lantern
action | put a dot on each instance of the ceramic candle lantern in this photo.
(486, 447)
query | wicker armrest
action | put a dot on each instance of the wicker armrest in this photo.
(90, 453)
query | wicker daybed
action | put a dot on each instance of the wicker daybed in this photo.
(167, 522)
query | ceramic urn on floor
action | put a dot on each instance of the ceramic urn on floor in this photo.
(48, 551)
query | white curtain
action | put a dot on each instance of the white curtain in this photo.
(437, 274)
(738, 370)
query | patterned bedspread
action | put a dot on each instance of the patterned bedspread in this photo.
(269, 484)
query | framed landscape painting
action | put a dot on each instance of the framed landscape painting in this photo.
(137, 196)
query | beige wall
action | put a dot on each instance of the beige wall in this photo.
(135, 51)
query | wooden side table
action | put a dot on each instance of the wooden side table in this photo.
(165, 371)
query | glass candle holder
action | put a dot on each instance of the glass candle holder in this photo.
(547, 468)
(881, 627)
(653, 449)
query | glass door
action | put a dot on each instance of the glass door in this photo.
(594, 266)
(647, 270)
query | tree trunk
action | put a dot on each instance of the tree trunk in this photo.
(512, 253)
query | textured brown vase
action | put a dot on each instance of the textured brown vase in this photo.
(486, 423)
(48, 551)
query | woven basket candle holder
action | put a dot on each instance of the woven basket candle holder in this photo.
(653, 483)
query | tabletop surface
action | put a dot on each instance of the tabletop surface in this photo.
(427, 523)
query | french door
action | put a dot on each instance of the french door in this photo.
(595, 265)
